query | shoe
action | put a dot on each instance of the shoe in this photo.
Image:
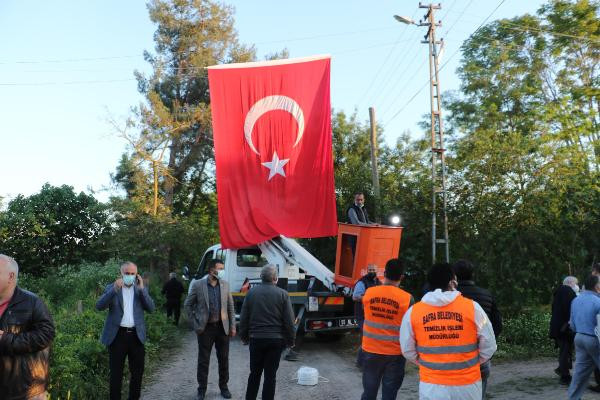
(595, 388)
(291, 356)
(225, 393)
(201, 396)
(565, 380)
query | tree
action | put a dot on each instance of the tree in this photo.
(523, 161)
(53, 227)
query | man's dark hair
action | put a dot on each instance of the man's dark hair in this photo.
(440, 275)
(212, 264)
(464, 270)
(590, 282)
(358, 193)
(394, 269)
(596, 268)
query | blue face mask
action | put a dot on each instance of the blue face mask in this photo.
(128, 280)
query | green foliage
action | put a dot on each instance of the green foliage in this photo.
(525, 335)
(79, 362)
(54, 227)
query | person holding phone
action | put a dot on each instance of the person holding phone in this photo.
(125, 330)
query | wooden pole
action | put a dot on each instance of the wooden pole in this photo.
(374, 170)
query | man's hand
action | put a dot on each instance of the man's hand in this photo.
(118, 284)
(1, 334)
(232, 332)
(140, 281)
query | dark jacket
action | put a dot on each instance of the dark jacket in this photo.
(361, 214)
(485, 299)
(267, 314)
(113, 300)
(561, 312)
(359, 312)
(25, 346)
(173, 290)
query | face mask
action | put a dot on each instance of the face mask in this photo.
(128, 279)
(575, 289)
(372, 275)
(221, 274)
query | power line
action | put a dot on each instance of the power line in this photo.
(446, 63)
(103, 58)
(64, 83)
(382, 89)
(370, 85)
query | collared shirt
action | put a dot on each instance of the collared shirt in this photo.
(214, 302)
(127, 293)
(583, 312)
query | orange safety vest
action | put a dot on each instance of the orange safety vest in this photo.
(384, 308)
(447, 344)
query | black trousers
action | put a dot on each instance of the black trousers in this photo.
(565, 356)
(174, 308)
(126, 345)
(264, 356)
(213, 334)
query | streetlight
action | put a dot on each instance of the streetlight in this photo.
(404, 20)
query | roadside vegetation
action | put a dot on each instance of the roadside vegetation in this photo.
(79, 362)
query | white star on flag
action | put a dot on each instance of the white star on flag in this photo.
(276, 166)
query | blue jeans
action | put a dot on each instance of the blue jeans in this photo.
(385, 370)
(587, 357)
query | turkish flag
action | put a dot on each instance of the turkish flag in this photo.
(272, 136)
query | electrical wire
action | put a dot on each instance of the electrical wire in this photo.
(371, 84)
(445, 63)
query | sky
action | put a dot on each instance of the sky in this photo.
(66, 68)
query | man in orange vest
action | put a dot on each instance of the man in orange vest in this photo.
(447, 336)
(384, 306)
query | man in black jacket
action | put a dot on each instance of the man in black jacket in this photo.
(466, 286)
(26, 332)
(173, 290)
(559, 326)
(267, 323)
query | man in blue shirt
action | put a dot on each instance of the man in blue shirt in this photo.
(584, 310)
(367, 281)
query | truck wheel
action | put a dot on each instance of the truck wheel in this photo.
(329, 336)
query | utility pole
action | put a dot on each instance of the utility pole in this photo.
(438, 161)
(374, 169)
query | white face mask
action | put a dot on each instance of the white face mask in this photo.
(575, 289)
(221, 274)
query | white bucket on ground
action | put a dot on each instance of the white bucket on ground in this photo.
(308, 376)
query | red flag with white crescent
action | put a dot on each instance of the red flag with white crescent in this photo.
(272, 136)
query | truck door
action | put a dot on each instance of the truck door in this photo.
(202, 268)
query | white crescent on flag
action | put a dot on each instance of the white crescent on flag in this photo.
(271, 103)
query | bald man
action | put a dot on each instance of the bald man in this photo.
(26, 333)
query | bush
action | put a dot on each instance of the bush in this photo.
(525, 336)
(79, 362)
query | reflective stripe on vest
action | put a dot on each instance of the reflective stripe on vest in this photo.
(447, 345)
(384, 307)
(448, 349)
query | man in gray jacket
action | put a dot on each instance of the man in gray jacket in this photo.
(267, 323)
(209, 305)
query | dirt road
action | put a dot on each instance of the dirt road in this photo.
(176, 380)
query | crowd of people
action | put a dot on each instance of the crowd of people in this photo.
(575, 328)
(450, 334)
